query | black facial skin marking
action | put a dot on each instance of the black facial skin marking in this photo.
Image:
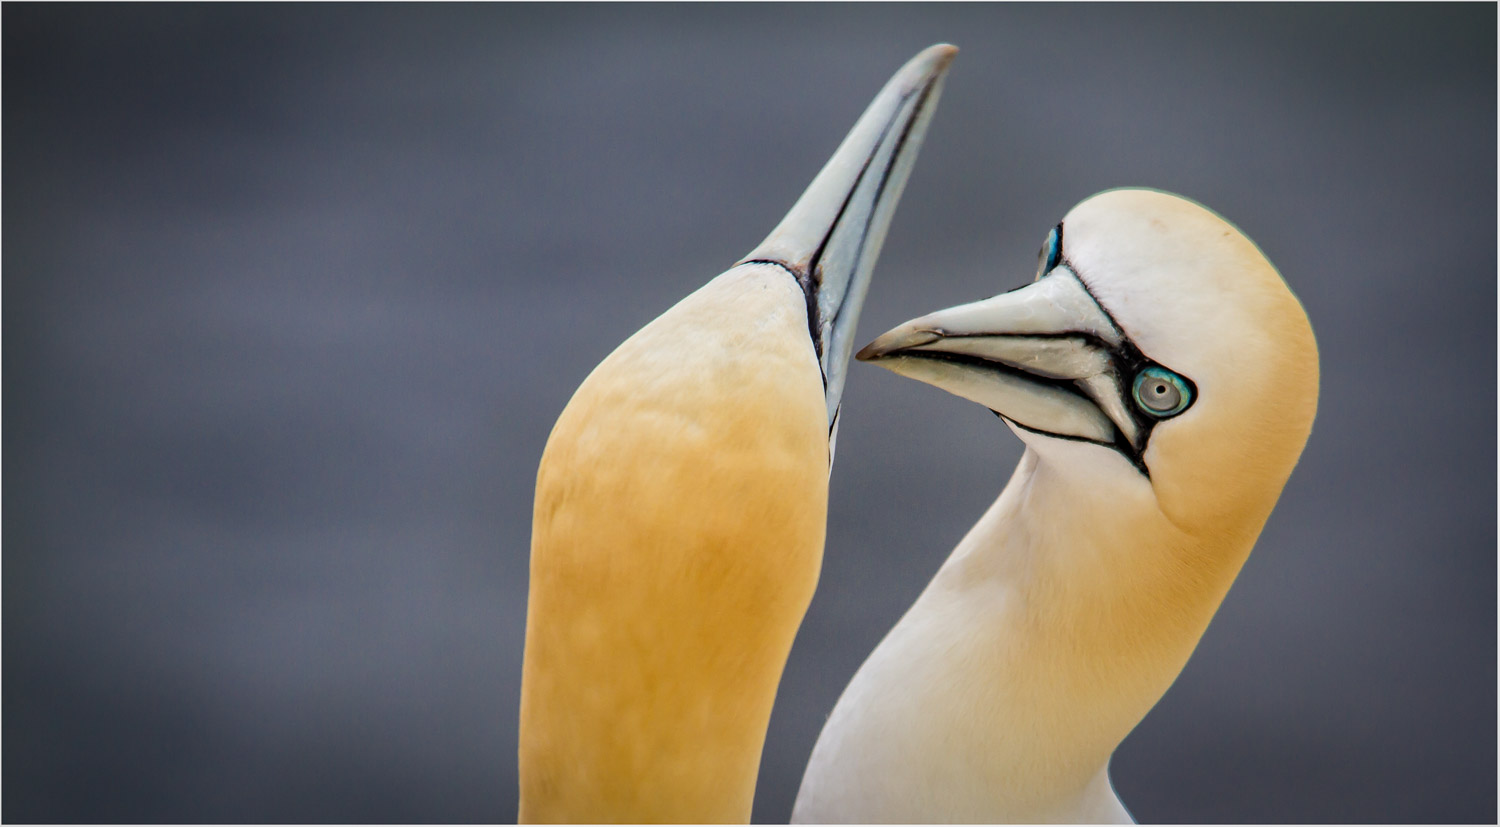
(804, 275)
(1126, 362)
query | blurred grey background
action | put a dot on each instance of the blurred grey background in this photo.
(293, 294)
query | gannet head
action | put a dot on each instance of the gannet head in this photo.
(681, 504)
(1157, 347)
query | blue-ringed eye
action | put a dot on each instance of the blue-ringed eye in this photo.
(1162, 393)
(1051, 252)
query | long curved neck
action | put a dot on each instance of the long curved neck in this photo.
(1046, 636)
(676, 541)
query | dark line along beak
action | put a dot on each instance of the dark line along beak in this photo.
(1046, 357)
(831, 237)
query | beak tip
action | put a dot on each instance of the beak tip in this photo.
(929, 66)
(913, 334)
(942, 53)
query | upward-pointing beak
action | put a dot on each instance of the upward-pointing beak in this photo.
(831, 237)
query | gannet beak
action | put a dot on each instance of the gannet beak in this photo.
(831, 237)
(1046, 357)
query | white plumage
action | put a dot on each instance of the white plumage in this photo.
(1164, 380)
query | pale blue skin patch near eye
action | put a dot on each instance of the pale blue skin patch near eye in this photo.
(1050, 254)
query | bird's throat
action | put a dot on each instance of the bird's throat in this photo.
(676, 542)
(1048, 634)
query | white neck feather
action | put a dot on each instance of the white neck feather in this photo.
(1045, 637)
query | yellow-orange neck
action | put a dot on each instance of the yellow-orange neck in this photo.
(676, 542)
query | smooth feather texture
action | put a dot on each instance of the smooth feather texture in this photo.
(1069, 609)
(677, 538)
(680, 506)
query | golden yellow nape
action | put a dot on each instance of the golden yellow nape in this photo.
(670, 566)
(681, 504)
(1164, 379)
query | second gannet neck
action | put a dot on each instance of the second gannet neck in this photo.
(681, 503)
(1164, 380)
(1038, 646)
(677, 537)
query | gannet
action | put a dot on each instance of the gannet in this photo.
(1164, 380)
(681, 504)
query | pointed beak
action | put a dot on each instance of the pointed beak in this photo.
(831, 237)
(1046, 357)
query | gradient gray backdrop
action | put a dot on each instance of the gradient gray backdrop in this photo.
(292, 296)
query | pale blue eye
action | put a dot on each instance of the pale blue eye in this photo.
(1162, 393)
(1051, 252)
